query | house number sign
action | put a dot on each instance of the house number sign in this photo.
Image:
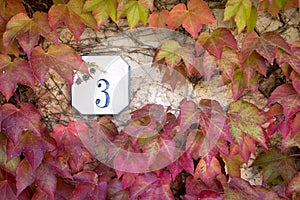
(106, 90)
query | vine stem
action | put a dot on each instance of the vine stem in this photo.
(54, 115)
(295, 155)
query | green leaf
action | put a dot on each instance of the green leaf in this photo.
(136, 12)
(12, 164)
(240, 10)
(189, 17)
(274, 164)
(251, 22)
(73, 16)
(172, 53)
(102, 9)
(246, 118)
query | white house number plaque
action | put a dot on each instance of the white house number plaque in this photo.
(106, 90)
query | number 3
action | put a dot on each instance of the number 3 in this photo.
(103, 88)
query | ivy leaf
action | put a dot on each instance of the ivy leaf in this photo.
(28, 31)
(148, 3)
(102, 9)
(208, 173)
(189, 16)
(176, 77)
(188, 115)
(88, 186)
(274, 164)
(172, 53)
(44, 177)
(68, 142)
(11, 165)
(184, 162)
(136, 12)
(15, 121)
(293, 58)
(152, 186)
(72, 15)
(266, 45)
(239, 83)
(288, 97)
(254, 63)
(296, 81)
(209, 65)
(13, 72)
(233, 165)
(240, 10)
(246, 118)
(241, 189)
(158, 19)
(251, 22)
(24, 176)
(228, 61)
(220, 38)
(32, 146)
(62, 59)
(294, 185)
(10, 8)
(6, 191)
(115, 190)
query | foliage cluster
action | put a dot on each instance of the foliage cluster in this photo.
(200, 150)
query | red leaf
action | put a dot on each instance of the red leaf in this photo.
(45, 179)
(210, 195)
(189, 17)
(239, 83)
(296, 81)
(208, 173)
(188, 115)
(288, 97)
(32, 147)
(151, 186)
(115, 191)
(194, 187)
(295, 125)
(292, 58)
(28, 31)
(102, 10)
(184, 162)
(266, 45)
(69, 143)
(62, 59)
(252, 64)
(158, 19)
(246, 118)
(220, 38)
(6, 191)
(72, 16)
(178, 76)
(229, 60)
(128, 180)
(209, 65)
(13, 72)
(24, 176)
(14, 120)
(10, 8)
